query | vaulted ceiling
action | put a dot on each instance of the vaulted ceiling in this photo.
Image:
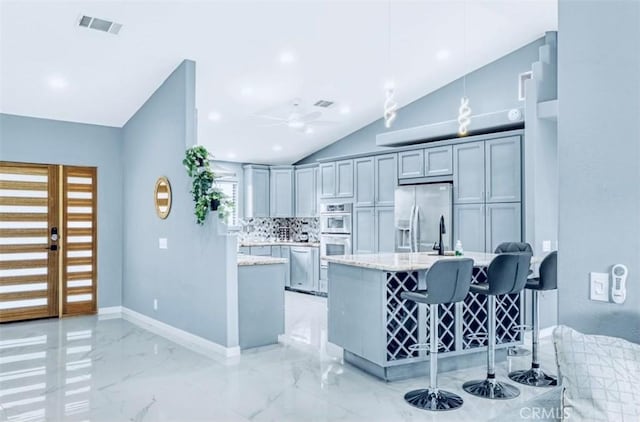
(254, 58)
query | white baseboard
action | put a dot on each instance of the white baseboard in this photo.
(110, 310)
(182, 337)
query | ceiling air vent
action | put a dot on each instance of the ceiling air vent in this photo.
(323, 103)
(100, 24)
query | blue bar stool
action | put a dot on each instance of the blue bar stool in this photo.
(447, 281)
(507, 274)
(547, 280)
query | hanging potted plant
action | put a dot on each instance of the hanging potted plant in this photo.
(206, 196)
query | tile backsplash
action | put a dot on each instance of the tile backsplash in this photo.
(267, 228)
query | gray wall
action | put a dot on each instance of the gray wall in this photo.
(190, 278)
(32, 140)
(493, 87)
(599, 152)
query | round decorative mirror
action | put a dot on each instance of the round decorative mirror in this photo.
(162, 197)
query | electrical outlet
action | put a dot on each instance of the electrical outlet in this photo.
(599, 283)
(546, 246)
(155, 304)
(162, 243)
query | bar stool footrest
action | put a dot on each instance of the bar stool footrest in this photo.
(522, 327)
(425, 346)
(438, 400)
(479, 337)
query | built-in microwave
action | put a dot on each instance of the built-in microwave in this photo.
(334, 244)
(335, 218)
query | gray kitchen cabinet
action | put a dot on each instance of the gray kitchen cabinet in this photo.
(283, 252)
(385, 179)
(327, 180)
(306, 200)
(364, 181)
(384, 230)
(438, 161)
(344, 179)
(364, 230)
(502, 169)
(468, 173)
(469, 226)
(260, 250)
(503, 224)
(244, 250)
(304, 268)
(282, 181)
(411, 164)
(256, 191)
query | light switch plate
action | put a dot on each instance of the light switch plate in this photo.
(599, 286)
(162, 243)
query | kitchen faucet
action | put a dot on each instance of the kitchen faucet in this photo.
(442, 230)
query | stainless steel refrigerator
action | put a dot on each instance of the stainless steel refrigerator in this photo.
(418, 209)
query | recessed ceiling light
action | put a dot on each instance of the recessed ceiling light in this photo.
(287, 57)
(345, 109)
(214, 116)
(57, 83)
(231, 155)
(308, 130)
(277, 147)
(443, 54)
(246, 90)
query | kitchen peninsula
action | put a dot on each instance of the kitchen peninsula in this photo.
(376, 328)
(260, 298)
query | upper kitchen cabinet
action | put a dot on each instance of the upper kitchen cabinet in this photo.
(336, 179)
(503, 176)
(327, 172)
(468, 173)
(411, 164)
(385, 179)
(281, 202)
(438, 161)
(364, 181)
(344, 179)
(256, 191)
(306, 200)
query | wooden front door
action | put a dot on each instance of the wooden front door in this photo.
(47, 241)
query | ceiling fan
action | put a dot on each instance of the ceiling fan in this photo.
(296, 118)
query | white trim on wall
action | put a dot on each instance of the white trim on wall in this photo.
(177, 335)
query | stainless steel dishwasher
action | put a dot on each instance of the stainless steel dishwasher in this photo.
(304, 268)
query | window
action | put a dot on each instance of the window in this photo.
(230, 188)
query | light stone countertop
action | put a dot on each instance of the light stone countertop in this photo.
(277, 243)
(407, 261)
(244, 260)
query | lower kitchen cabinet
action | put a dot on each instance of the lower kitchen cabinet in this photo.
(385, 230)
(482, 227)
(469, 226)
(283, 252)
(504, 224)
(364, 230)
(373, 230)
(260, 250)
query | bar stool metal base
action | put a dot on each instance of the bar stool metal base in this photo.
(438, 400)
(491, 389)
(534, 377)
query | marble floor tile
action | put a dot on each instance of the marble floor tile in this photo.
(93, 369)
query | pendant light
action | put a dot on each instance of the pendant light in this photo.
(390, 105)
(464, 112)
